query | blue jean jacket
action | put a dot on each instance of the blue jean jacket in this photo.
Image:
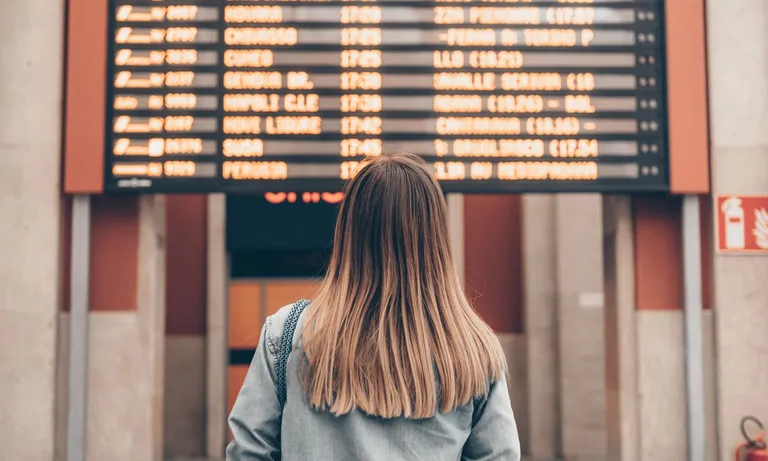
(482, 430)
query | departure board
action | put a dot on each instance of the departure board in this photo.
(278, 96)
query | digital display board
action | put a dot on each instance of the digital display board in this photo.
(496, 95)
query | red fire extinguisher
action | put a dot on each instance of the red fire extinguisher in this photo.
(753, 449)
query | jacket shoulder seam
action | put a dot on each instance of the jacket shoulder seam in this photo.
(270, 342)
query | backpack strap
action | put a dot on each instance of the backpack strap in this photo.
(286, 346)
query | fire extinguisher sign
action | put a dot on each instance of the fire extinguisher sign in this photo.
(742, 224)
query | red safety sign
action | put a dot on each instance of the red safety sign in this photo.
(742, 224)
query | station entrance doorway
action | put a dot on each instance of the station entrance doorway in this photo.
(277, 247)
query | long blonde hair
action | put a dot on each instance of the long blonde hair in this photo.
(391, 331)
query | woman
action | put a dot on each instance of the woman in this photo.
(390, 361)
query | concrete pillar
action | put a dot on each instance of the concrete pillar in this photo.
(151, 322)
(622, 419)
(738, 88)
(645, 378)
(657, 223)
(30, 207)
(126, 345)
(710, 384)
(540, 289)
(30, 223)
(184, 424)
(564, 326)
(217, 327)
(126, 348)
(578, 246)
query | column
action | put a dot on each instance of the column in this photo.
(556, 350)
(621, 374)
(645, 378)
(659, 327)
(151, 315)
(540, 289)
(126, 345)
(578, 244)
(217, 284)
(127, 329)
(564, 326)
(185, 362)
(31, 33)
(738, 90)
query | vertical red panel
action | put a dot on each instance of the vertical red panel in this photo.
(186, 224)
(493, 256)
(114, 262)
(658, 252)
(114, 253)
(687, 96)
(85, 96)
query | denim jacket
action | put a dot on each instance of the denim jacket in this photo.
(482, 430)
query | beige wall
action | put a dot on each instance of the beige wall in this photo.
(622, 418)
(30, 206)
(184, 406)
(710, 384)
(738, 89)
(580, 325)
(564, 326)
(217, 358)
(62, 388)
(125, 369)
(645, 361)
(119, 389)
(515, 350)
(120, 414)
(661, 385)
(185, 311)
(540, 265)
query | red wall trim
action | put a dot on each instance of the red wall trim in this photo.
(186, 224)
(658, 252)
(114, 253)
(85, 97)
(493, 258)
(687, 96)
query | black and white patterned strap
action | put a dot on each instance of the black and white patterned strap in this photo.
(286, 346)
